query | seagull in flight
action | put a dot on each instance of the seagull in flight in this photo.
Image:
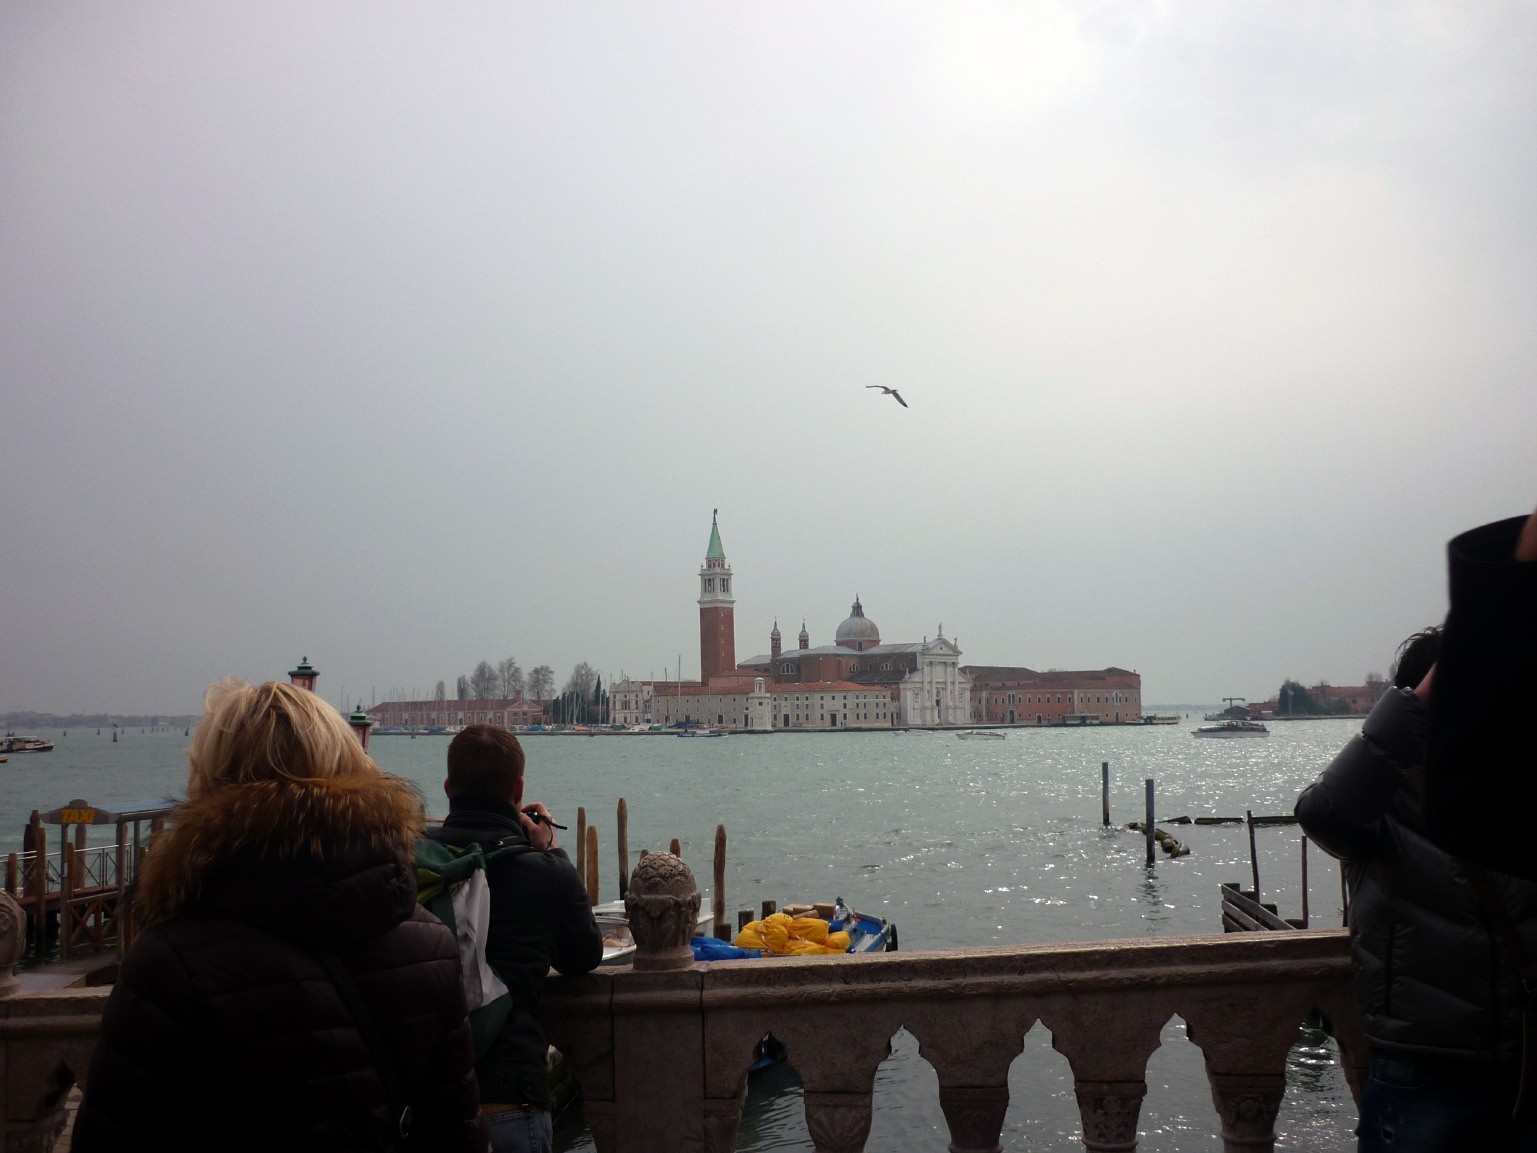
(891, 392)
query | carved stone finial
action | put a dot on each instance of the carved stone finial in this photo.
(13, 942)
(663, 907)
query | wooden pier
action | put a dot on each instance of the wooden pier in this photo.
(80, 895)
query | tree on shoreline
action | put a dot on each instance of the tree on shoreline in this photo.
(541, 683)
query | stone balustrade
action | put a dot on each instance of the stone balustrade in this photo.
(662, 1048)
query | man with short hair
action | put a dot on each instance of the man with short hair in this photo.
(540, 918)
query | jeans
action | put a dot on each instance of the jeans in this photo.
(529, 1131)
(1420, 1105)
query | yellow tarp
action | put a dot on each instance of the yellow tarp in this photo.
(791, 936)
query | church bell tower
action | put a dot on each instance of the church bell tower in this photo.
(717, 629)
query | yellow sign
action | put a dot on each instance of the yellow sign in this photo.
(77, 816)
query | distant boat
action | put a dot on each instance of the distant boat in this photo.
(11, 743)
(1232, 728)
(980, 735)
(1160, 718)
(701, 733)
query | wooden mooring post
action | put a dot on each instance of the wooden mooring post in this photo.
(592, 865)
(1304, 881)
(1104, 792)
(721, 927)
(1151, 837)
(1253, 854)
(624, 848)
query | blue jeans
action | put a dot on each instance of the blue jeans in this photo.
(1418, 1105)
(529, 1131)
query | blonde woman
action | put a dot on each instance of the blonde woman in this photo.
(286, 992)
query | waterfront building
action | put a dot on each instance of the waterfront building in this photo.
(434, 714)
(755, 705)
(922, 678)
(1003, 695)
(629, 702)
(856, 682)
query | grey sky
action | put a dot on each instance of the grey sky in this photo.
(402, 336)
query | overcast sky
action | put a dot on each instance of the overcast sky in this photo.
(402, 336)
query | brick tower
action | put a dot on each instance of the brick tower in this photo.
(717, 629)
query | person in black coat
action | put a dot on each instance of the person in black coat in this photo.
(1442, 944)
(226, 1028)
(1482, 760)
(540, 919)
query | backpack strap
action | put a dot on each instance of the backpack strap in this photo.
(368, 1026)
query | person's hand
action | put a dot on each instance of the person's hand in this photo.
(540, 833)
(1526, 543)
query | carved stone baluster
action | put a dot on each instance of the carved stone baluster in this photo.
(839, 1122)
(1248, 1104)
(971, 1046)
(836, 1052)
(1245, 1034)
(975, 1116)
(1107, 1042)
(1109, 1111)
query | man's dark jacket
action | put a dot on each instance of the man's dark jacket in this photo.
(540, 919)
(1434, 976)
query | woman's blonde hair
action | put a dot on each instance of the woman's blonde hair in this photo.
(270, 732)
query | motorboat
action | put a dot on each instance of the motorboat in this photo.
(980, 735)
(807, 929)
(11, 743)
(1232, 728)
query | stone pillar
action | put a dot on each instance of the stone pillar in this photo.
(31, 1096)
(975, 1115)
(659, 1063)
(1109, 1111)
(1248, 1104)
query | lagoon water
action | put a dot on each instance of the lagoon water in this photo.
(959, 842)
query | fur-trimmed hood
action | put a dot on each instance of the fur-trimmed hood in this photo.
(313, 860)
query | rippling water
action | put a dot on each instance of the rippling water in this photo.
(958, 842)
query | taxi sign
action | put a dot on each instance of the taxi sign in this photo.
(79, 812)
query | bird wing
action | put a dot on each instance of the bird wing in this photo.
(898, 395)
(882, 387)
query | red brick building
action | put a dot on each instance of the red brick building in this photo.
(1002, 695)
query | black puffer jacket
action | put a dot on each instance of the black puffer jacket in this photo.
(1483, 759)
(1434, 976)
(226, 1032)
(540, 918)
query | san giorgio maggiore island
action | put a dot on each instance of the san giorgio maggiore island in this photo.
(858, 682)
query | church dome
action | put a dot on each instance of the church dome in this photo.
(858, 632)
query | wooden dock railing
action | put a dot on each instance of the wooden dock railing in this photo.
(82, 891)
